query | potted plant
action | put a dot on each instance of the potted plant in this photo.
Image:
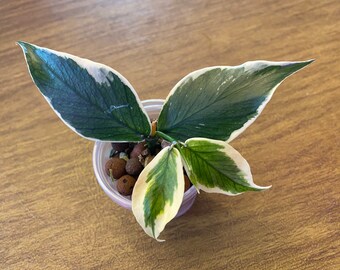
(103, 153)
(205, 111)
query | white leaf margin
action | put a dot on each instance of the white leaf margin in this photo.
(248, 66)
(141, 187)
(96, 70)
(239, 160)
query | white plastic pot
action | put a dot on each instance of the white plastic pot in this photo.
(101, 153)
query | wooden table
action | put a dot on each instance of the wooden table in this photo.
(54, 215)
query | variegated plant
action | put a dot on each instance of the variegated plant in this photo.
(204, 112)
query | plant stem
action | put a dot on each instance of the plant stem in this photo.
(166, 137)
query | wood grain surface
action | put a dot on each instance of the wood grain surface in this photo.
(54, 215)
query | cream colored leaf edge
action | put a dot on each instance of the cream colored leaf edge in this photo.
(141, 187)
(248, 66)
(96, 70)
(239, 160)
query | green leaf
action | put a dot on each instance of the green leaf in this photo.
(94, 100)
(158, 193)
(215, 166)
(221, 102)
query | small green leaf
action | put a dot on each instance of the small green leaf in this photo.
(215, 166)
(94, 100)
(221, 102)
(158, 193)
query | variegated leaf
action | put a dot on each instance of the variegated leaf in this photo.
(215, 166)
(92, 99)
(158, 193)
(221, 102)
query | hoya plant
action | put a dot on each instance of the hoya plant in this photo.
(202, 114)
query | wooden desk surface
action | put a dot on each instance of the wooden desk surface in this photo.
(54, 215)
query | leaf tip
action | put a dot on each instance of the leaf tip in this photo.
(22, 44)
(160, 240)
(307, 62)
(260, 188)
(25, 46)
(300, 64)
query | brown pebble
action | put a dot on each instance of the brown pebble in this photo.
(145, 152)
(141, 159)
(184, 171)
(138, 149)
(133, 166)
(117, 167)
(165, 144)
(187, 183)
(148, 159)
(120, 147)
(125, 185)
(129, 149)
